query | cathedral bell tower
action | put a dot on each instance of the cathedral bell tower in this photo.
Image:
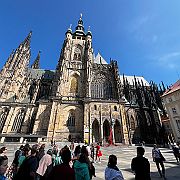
(75, 60)
(71, 85)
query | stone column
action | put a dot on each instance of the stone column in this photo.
(101, 123)
(124, 126)
(90, 124)
(86, 124)
(2, 139)
(112, 126)
(90, 133)
(52, 122)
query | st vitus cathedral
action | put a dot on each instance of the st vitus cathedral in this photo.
(85, 98)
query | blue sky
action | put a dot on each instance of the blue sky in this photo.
(143, 36)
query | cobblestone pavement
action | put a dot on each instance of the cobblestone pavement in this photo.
(125, 155)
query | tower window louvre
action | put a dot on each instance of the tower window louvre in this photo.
(71, 119)
(95, 107)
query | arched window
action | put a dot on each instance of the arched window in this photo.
(16, 127)
(101, 87)
(77, 54)
(3, 117)
(74, 85)
(132, 123)
(71, 118)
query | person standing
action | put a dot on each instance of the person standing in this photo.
(98, 153)
(112, 172)
(92, 151)
(140, 165)
(81, 168)
(29, 166)
(41, 152)
(3, 167)
(158, 159)
(3, 151)
(175, 149)
(45, 166)
(76, 153)
(15, 163)
(25, 154)
(63, 170)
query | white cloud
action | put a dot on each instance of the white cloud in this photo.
(138, 23)
(169, 60)
(140, 29)
(169, 56)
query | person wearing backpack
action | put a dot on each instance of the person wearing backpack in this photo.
(158, 158)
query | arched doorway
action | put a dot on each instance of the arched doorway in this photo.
(117, 132)
(106, 130)
(95, 131)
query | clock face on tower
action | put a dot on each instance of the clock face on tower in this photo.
(77, 54)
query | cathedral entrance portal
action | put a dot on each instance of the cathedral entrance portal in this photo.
(95, 131)
(117, 132)
(106, 130)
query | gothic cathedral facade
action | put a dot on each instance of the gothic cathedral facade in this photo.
(84, 99)
(80, 100)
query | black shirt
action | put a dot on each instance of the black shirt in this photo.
(141, 167)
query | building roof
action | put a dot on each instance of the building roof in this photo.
(173, 88)
(99, 59)
(39, 73)
(131, 80)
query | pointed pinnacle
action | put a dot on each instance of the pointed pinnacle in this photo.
(28, 38)
(36, 64)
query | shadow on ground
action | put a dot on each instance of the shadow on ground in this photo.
(171, 173)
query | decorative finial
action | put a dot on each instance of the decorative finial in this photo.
(30, 34)
(70, 26)
(88, 28)
(81, 15)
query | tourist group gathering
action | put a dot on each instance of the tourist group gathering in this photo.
(75, 162)
(101, 102)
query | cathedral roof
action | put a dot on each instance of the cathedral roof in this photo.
(39, 73)
(173, 88)
(131, 80)
(99, 59)
(26, 100)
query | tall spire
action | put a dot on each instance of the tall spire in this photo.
(80, 27)
(9, 60)
(36, 64)
(16, 70)
(27, 39)
(8, 63)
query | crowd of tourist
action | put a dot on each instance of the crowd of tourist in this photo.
(74, 163)
(70, 162)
